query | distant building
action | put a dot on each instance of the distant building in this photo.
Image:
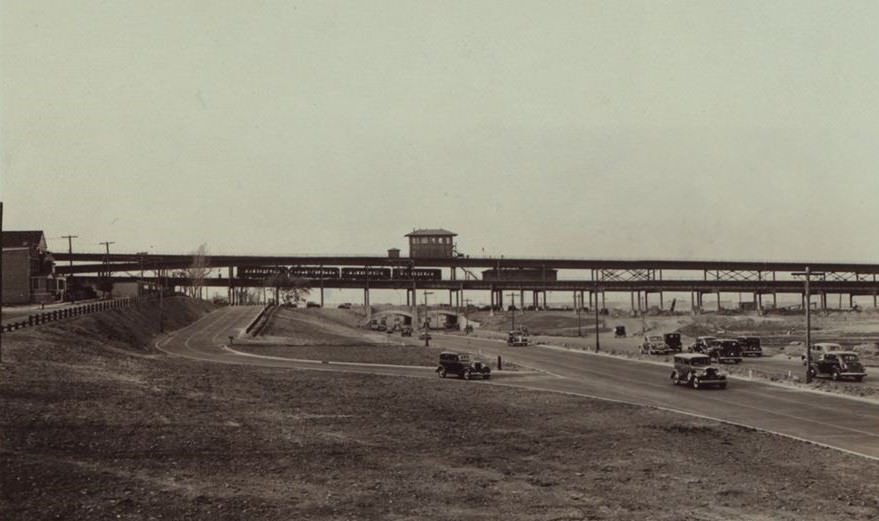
(431, 243)
(28, 269)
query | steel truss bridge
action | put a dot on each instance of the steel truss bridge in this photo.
(591, 276)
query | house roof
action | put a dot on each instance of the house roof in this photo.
(433, 232)
(23, 239)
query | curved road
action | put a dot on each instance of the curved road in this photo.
(842, 423)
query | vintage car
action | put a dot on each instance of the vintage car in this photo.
(701, 344)
(654, 345)
(820, 348)
(406, 331)
(750, 345)
(695, 369)
(460, 365)
(673, 341)
(724, 350)
(838, 365)
(619, 331)
(517, 338)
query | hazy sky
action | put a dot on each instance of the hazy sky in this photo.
(703, 129)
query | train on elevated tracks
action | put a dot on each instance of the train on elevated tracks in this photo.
(325, 273)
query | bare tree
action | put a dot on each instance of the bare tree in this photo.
(198, 271)
(288, 289)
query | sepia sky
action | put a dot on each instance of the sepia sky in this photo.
(594, 129)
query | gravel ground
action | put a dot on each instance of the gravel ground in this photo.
(95, 428)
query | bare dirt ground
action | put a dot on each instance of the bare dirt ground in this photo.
(96, 425)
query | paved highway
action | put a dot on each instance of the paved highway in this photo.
(842, 423)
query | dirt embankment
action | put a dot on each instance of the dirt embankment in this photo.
(95, 433)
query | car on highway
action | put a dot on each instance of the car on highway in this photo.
(838, 365)
(750, 345)
(724, 350)
(654, 345)
(460, 365)
(673, 341)
(517, 338)
(818, 349)
(701, 344)
(695, 370)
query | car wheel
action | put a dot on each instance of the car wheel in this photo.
(674, 378)
(835, 375)
(812, 373)
(442, 373)
(467, 374)
(696, 383)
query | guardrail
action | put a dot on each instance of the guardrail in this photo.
(253, 323)
(46, 317)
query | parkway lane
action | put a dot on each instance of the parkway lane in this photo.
(838, 422)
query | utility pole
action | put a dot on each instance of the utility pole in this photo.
(597, 341)
(467, 315)
(578, 302)
(426, 320)
(140, 288)
(808, 274)
(106, 266)
(513, 300)
(70, 258)
(1, 281)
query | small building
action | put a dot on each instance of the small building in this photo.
(28, 269)
(431, 243)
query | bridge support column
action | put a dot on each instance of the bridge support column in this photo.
(522, 300)
(366, 305)
(661, 301)
(824, 301)
(718, 302)
(451, 292)
(632, 300)
(851, 300)
(321, 297)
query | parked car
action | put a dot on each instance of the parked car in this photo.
(654, 345)
(460, 365)
(724, 350)
(820, 349)
(346, 305)
(406, 331)
(695, 370)
(619, 331)
(673, 341)
(701, 344)
(311, 304)
(838, 365)
(750, 345)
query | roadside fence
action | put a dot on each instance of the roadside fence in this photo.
(45, 317)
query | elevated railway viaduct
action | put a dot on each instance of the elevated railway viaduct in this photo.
(584, 278)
